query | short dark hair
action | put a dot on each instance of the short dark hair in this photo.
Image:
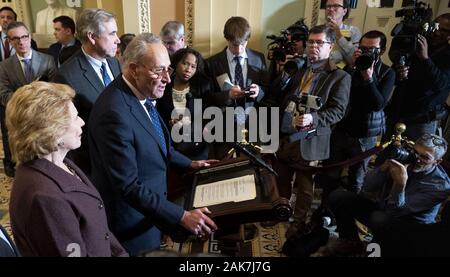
(237, 29)
(66, 22)
(16, 24)
(376, 34)
(11, 10)
(327, 30)
(125, 39)
(200, 76)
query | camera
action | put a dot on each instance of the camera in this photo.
(417, 20)
(368, 56)
(404, 154)
(284, 45)
(307, 101)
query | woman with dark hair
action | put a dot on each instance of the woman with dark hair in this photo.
(189, 85)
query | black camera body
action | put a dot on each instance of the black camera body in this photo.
(307, 101)
(368, 56)
(404, 154)
(417, 20)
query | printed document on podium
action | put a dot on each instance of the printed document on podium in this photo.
(231, 190)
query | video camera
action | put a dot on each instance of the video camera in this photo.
(307, 101)
(284, 45)
(302, 103)
(417, 20)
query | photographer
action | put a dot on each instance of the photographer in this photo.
(372, 84)
(412, 192)
(287, 56)
(424, 84)
(322, 79)
(336, 11)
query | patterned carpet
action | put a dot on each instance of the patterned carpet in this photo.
(5, 190)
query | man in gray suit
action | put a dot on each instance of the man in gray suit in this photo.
(91, 69)
(26, 66)
(243, 68)
(323, 79)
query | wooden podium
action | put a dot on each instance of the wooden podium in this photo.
(230, 216)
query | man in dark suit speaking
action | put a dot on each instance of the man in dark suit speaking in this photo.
(131, 151)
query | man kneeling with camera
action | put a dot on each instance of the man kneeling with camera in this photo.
(412, 192)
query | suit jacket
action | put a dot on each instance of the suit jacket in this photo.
(333, 86)
(78, 73)
(55, 49)
(51, 210)
(257, 74)
(12, 76)
(130, 168)
(7, 248)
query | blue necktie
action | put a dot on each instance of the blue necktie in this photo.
(105, 76)
(28, 70)
(238, 75)
(156, 123)
(239, 80)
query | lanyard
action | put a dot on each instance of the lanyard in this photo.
(306, 83)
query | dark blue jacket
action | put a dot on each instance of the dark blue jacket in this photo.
(129, 167)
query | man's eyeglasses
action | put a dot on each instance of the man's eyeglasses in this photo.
(333, 6)
(437, 141)
(317, 42)
(160, 71)
(17, 39)
(369, 49)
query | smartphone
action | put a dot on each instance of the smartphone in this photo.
(247, 91)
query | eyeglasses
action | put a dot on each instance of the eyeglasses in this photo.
(17, 39)
(159, 71)
(317, 42)
(334, 6)
(437, 141)
(369, 49)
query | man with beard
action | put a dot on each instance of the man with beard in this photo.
(411, 193)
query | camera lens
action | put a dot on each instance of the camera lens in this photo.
(293, 66)
(364, 62)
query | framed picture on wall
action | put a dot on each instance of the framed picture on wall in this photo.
(42, 14)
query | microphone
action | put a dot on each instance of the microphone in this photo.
(254, 158)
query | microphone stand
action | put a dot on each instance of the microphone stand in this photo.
(250, 150)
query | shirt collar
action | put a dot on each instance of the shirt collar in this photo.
(25, 58)
(71, 43)
(230, 56)
(136, 91)
(92, 60)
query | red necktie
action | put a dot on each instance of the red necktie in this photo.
(6, 49)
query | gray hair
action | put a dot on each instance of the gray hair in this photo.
(91, 21)
(437, 143)
(137, 49)
(172, 28)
